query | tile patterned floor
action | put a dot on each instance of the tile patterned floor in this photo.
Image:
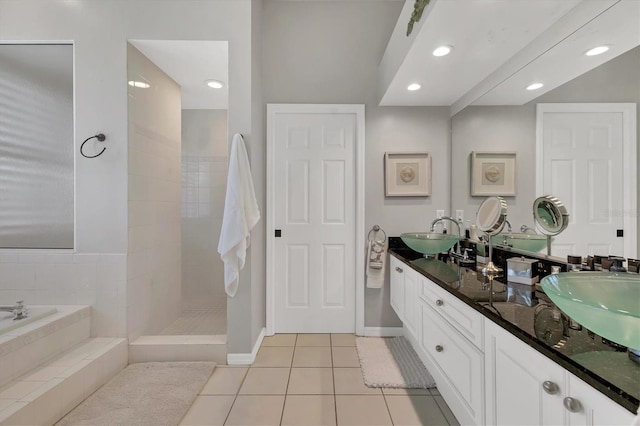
(310, 379)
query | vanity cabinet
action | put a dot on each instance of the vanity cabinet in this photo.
(522, 386)
(404, 294)
(396, 284)
(486, 374)
(525, 387)
(459, 364)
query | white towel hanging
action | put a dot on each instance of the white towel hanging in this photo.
(241, 214)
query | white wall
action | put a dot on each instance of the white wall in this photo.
(99, 31)
(204, 179)
(154, 276)
(512, 128)
(328, 52)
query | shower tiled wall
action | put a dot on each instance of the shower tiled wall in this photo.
(154, 248)
(204, 178)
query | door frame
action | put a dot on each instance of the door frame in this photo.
(359, 160)
(629, 153)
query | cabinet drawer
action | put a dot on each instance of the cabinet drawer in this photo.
(461, 363)
(462, 317)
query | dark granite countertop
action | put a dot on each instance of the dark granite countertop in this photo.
(527, 313)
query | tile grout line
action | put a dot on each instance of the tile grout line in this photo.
(286, 391)
(333, 376)
(246, 373)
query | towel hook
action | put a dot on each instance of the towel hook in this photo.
(101, 137)
(376, 229)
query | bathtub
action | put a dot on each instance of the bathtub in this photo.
(7, 323)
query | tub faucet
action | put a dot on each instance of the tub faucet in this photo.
(18, 310)
(451, 219)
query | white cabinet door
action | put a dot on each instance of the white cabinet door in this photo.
(516, 378)
(465, 319)
(396, 278)
(594, 407)
(411, 305)
(461, 364)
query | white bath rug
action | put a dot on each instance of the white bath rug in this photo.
(149, 393)
(392, 363)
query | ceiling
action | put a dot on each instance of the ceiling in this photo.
(499, 48)
(190, 64)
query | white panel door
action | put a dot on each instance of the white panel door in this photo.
(314, 210)
(582, 165)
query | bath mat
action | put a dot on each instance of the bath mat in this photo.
(149, 393)
(392, 363)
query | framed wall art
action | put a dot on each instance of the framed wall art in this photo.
(407, 174)
(493, 173)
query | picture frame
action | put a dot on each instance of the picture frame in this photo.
(493, 173)
(407, 174)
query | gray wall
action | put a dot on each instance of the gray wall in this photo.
(512, 128)
(328, 52)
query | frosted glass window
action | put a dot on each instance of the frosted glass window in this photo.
(36, 146)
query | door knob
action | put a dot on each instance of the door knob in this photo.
(439, 348)
(439, 302)
(572, 404)
(550, 387)
(398, 269)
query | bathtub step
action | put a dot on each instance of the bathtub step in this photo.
(179, 348)
(44, 395)
(23, 349)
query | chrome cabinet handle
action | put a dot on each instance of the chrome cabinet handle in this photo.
(439, 348)
(572, 404)
(550, 387)
(398, 269)
(439, 302)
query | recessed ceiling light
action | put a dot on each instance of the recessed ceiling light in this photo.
(597, 50)
(139, 84)
(413, 86)
(442, 50)
(534, 86)
(215, 84)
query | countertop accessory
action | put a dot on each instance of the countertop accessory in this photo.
(490, 218)
(551, 217)
(101, 138)
(522, 270)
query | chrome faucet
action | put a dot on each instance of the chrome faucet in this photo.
(18, 310)
(508, 225)
(525, 229)
(451, 219)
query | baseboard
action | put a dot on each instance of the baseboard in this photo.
(247, 358)
(383, 331)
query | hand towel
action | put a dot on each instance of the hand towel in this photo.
(240, 215)
(376, 263)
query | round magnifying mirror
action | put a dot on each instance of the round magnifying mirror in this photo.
(491, 215)
(550, 215)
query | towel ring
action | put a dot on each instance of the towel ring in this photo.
(376, 229)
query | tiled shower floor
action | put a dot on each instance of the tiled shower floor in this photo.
(198, 317)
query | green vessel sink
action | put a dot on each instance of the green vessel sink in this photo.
(606, 303)
(429, 242)
(528, 242)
